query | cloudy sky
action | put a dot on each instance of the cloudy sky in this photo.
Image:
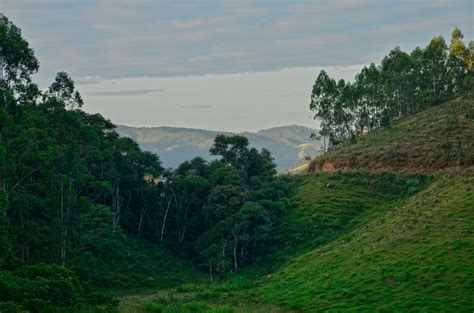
(226, 65)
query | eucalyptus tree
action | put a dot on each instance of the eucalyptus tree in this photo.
(18, 63)
(397, 71)
(323, 97)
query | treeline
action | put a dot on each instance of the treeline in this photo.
(402, 85)
(71, 190)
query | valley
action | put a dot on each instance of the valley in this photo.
(370, 212)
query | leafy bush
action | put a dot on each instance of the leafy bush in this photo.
(45, 288)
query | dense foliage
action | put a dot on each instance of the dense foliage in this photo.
(222, 213)
(402, 85)
(72, 191)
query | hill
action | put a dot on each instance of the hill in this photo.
(288, 144)
(417, 256)
(436, 138)
(326, 205)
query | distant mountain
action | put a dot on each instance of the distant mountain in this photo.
(288, 144)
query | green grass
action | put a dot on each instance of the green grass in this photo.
(416, 257)
(235, 295)
(325, 205)
(431, 140)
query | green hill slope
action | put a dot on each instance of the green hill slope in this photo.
(326, 205)
(433, 139)
(418, 256)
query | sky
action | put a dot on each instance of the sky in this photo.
(222, 65)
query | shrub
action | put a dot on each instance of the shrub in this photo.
(46, 288)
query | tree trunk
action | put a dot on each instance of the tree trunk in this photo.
(62, 256)
(235, 254)
(210, 271)
(65, 221)
(140, 221)
(164, 219)
(182, 230)
(117, 204)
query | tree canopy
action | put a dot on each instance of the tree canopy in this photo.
(402, 85)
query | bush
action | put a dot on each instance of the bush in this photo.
(11, 307)
(45, 288)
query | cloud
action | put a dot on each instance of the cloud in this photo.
(193, 23)
(125, 38)
(124, 92)
(400, 28)
(87, 80)
(197, 107)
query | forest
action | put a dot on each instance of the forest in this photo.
(78, 202)
(402, 85)
(72, 189)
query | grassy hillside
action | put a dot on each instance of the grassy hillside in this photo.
(328, 204)
(418, 256)
(436, 138)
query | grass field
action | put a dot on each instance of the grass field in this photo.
(416, 257)
(326, 205)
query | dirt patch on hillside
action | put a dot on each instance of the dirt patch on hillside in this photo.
(326, 166)
(399, 163)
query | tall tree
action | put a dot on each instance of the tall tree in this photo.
(323, 97)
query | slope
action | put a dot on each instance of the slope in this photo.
(326, 205)
(418, 256)
(433, 139)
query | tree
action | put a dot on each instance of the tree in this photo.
(370, 97)
(435, 68)
(260, 165)
(248, 227)
(18, 60)
(457, 47)
(458, 63)
(63, 92)
(323, 97)
(397, 70)
(232, 149)
(471, 56)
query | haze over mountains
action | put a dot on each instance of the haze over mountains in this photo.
(288, 144)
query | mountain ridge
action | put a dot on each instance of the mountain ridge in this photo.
(174, 145)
